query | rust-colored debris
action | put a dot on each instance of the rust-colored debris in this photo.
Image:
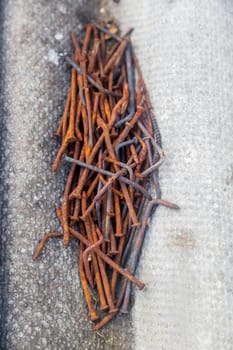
(111, 143)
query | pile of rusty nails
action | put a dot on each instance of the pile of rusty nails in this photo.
(111, 139)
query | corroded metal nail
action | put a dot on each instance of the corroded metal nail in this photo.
(43, 241)
(108, 260)
(129, 125)
(133, 259)
(116, 56)
(65, 200)
(123, 144)
(85, 257)
(100, 194)
(90, 79)
(130, 76)
(109, 173)
(106, 31)
(92, 312)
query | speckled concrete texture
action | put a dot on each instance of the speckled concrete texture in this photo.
(186, 52)
(3, 191)
(42, 306)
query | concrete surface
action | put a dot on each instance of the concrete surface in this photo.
(186, 51)
(3, 271)
(42, 305)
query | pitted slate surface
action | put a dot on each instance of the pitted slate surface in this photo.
(43, 305)
(186, 52)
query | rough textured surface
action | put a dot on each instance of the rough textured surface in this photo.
(185, 48)
(42, 305)
(186, 51)
(3, 190)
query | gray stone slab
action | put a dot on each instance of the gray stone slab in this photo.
(186, 52)
(42, 302)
